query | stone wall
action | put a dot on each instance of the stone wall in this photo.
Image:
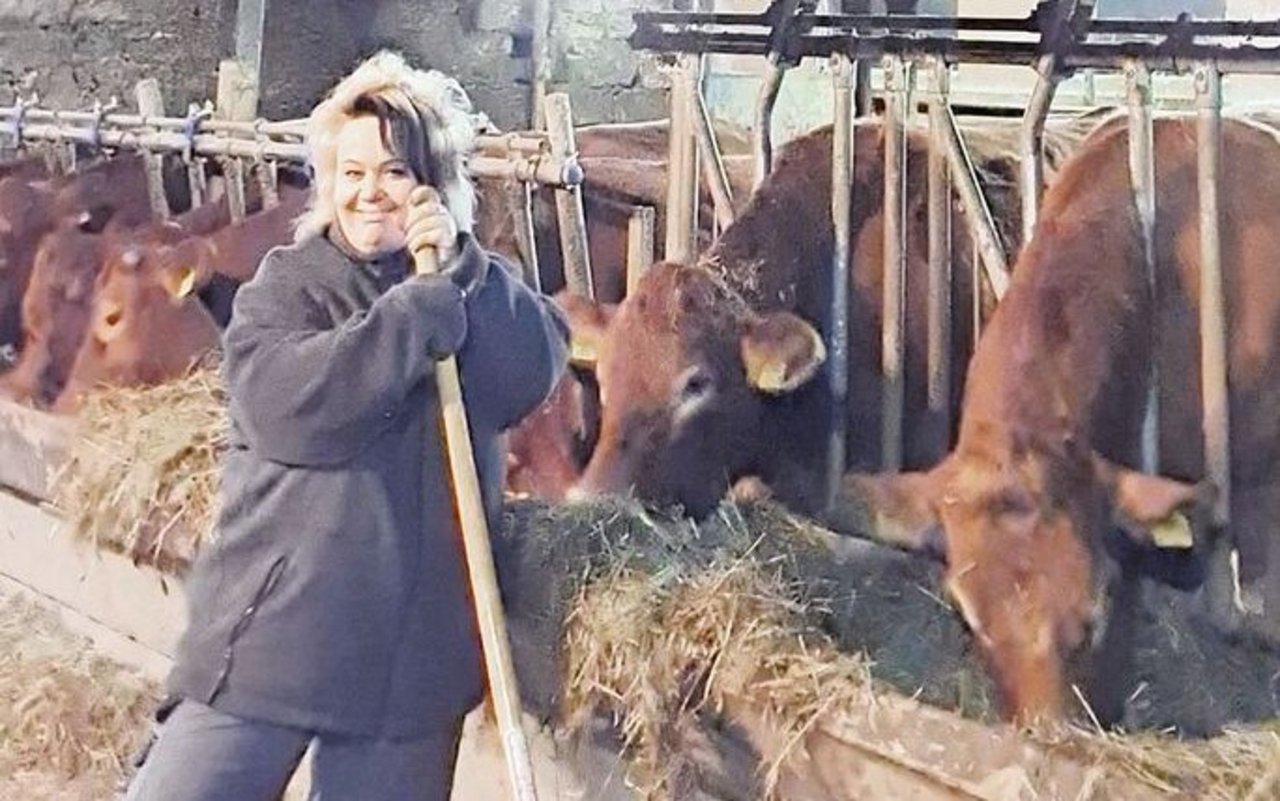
(74, 51)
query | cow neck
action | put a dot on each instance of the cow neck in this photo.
(387, 269)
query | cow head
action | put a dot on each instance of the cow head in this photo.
(1025, 529)
(55, 312)
(146, 325)
(684, 370)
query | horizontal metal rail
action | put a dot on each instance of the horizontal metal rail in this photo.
(543, 169)
(1029, 24)
(1172, 54)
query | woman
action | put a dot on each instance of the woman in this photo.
(333, 605)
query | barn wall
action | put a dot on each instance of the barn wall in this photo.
(73, 51)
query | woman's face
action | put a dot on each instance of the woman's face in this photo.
(371, 189)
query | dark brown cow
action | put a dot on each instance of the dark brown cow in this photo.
(1028, 499)
(704, 370)
(147, 324)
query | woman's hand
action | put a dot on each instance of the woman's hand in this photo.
(430, 225)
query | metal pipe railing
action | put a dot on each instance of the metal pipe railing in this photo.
(938, 390)
(713, 164)
(844, 76)
(1213, 318)
(893, 341)
(682, 163)
(977, 213)
(1142, 178)
(1031, 141)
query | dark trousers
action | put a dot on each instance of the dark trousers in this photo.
(202, 754)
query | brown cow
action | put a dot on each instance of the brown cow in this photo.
(147, 324)
(1027, 500)
(55, 308)
(112, 188)
(704, 370)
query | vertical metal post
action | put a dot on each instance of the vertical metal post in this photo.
(977, 213)
(538, 61)
(1213, 322)
(1031, 141)
(682, 162)
(713, 164)
(526, 233)
(640, 233)
(151, 104)
(893, 343)
(844, 75)
(251, 16)
(569, 211)
(939, 323)
(762, 137)
(233, 169)
(1142, 175)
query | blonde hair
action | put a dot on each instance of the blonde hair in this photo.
(425, 104)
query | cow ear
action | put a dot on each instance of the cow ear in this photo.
(588, 325)
(780, 352)
(186, 267)
(898, 509)
(1153, 510)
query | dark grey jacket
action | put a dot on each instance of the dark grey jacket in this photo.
(334, 597)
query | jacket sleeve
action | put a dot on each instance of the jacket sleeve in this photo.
(516, 350)
(310, 393)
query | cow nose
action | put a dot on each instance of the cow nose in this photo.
(110, 319)
(580, 494)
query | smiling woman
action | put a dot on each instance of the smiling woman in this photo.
(331, 608)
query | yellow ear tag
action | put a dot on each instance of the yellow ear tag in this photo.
(582, 351)
(186, 284)
(769, 376)
(1173, 532)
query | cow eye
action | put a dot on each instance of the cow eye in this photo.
(696, 385)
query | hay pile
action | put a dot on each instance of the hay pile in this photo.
(667, 626)
(142, 475)
(69, 721)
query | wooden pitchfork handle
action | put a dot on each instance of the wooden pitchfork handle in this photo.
(484, 579)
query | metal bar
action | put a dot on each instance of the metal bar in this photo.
(233, 171)
(682, 164)
(151, 102)
(939, 302)
(1110, 55)
(713, 164)
(547, 170)
(197, 181)
(251, 16)
(1213, 322)
(538, 63)
(977, 214)
(1142, 179)
(641, 227)
(897, 75)
(569, 211)
(526, 231)
(527, 143)
(762, 136)
(1031, 141)
(844, 79)
(925, 22)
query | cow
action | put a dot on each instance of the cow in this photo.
(1036, 496)
(55, 308)
(705, 372)
(30, 209)
(150, 322)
